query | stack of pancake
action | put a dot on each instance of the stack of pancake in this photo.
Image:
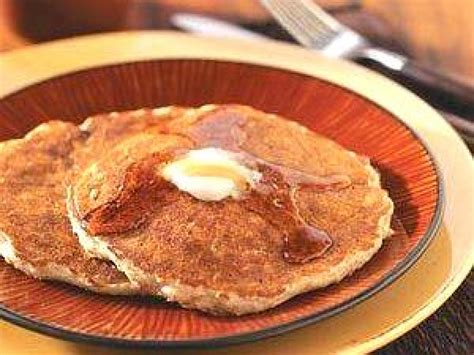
(91, 206)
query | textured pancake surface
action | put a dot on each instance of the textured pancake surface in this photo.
(222, 257)
(35, 233)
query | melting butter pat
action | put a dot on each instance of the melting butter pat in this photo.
(210, 174)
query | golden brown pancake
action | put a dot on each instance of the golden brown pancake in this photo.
(35, 233)
(235, 255)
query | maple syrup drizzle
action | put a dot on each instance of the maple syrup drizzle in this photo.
(221, 128)
(143, 190)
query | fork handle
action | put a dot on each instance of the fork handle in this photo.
(440, 89)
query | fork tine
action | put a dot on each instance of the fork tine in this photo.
(281, 11)
(316, 29)
(320, 32)
(300, 20)
(316, 12)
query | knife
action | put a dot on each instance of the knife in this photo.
(208, 26)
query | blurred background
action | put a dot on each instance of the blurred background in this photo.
(437, 32)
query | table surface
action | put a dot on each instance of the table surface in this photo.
(450, 329)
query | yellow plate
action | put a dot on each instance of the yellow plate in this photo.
(365, 327)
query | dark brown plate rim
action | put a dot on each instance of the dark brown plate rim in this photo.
(399, 270)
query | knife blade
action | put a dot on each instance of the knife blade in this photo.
(212, 27)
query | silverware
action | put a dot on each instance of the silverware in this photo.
(314, 28)
(217, 28)
(211, 27)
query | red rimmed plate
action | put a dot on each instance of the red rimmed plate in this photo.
(408, 172)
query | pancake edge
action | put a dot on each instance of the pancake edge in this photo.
(52, 271)
(213, 301)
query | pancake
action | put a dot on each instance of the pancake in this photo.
(35, 233)
(235, 255)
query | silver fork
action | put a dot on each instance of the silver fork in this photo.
(316, 29)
